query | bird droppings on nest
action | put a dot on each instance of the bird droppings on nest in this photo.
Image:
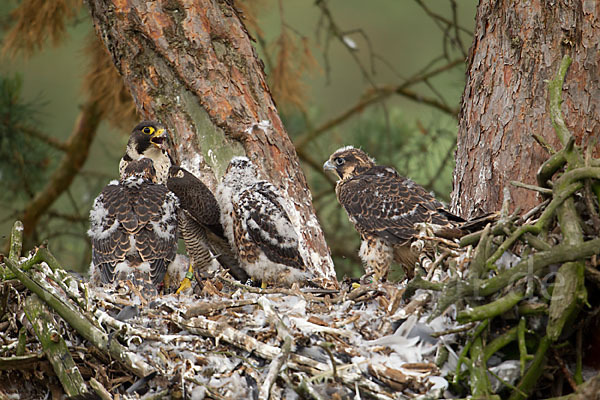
(224, 340)
(231, 340)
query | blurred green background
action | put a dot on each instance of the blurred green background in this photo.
(387, 43)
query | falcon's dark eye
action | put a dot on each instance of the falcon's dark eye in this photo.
(148, 130)
(339, 161)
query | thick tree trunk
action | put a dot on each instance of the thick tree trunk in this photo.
(517, 47)
(190, 65)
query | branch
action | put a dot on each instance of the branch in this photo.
(533, 372)
(555, 95)
(54, 346)
(568, 297)
(490, 310)
(79, 322)
(288, 341)
(49, 140)
(368, 100)
(78, 146)
(426, 100)
(443, 19)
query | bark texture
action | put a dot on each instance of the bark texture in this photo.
(517, 47)
(191, 65)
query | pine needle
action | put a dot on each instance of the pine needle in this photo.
(36, 20)
(103, 84)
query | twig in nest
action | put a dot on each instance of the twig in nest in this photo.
(534, 210)
(531, 187)
(542, 142)
(463, 328)
(327, 347)
(415, 304)
(100, 390)
(291, 292)
(346, 321)
(591, 205)
(565, 371)
(211, 307)
(137, 292)
(211, 392)
(436, 263)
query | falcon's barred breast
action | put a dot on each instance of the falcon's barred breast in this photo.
(258, 227)
(133, 227)
(148, 139)
(200, 223)
(384, 208)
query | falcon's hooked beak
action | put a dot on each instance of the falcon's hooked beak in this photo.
(328, 166)
(159, 138)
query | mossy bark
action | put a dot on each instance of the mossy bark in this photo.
(54, 346)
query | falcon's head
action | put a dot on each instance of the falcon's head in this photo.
(240, 172)
(149, 139)
(146, 138)
(181, 181)
(348, 162)
(138, 171)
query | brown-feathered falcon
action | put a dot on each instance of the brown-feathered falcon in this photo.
(200, 224)
(148, 139)
(258, 227)
(384, 208)
(133, 227)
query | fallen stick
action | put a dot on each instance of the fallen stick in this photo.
(54, 347)
(81, 324)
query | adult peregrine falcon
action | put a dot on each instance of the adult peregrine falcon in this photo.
(133, 227)
(200, 223)
(384, 207)
(148, 139)
(258, 226)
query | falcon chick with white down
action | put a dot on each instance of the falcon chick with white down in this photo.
(148, 139)
(258, 227)
(133, 227)
(384, 207)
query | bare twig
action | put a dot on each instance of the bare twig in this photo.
(49, 140)
(370, 99)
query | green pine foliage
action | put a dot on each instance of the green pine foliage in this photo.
(24, 159)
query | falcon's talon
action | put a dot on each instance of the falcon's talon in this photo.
(185, 284)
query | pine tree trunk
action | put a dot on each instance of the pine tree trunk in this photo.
(517, 47)
(191, 65)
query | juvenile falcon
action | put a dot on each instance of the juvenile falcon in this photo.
(200, 223)
(133, 227)
(384, 207)
(148, 139)
(258, 226)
